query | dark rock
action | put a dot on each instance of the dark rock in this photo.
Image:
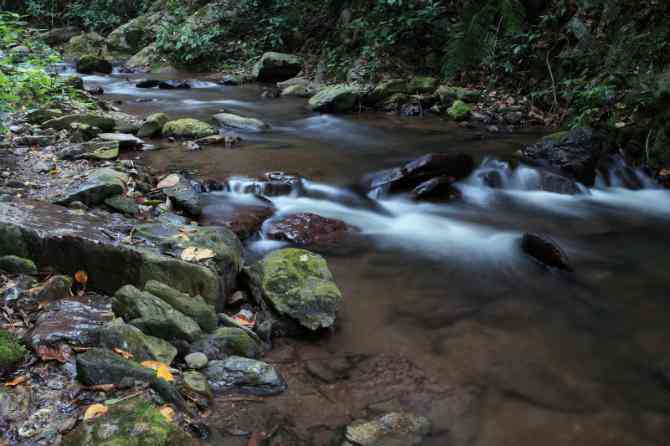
(59, 36)
(545, 251)
(309, 230)
(558, 184)
(406, 178)
(436, 189)
(243, 219)
(17, 265)
(90, 64)
(125, 141)
(118, 334)
(329, 370)
(574, 154)
(194, 307)
(174, 85)
(100, 185)
(185, 197)
(245, 375)
(71, 322)
(277, 67)
(227, 341)
(123, 204)
(148, 83)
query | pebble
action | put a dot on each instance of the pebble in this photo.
(196, 360)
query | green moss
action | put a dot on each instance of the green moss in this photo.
(449, 93)
(422, 84)
(335, 99)
(188, 128)
(11, 351)
(459, 111)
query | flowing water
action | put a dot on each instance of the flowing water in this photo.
(523, 355)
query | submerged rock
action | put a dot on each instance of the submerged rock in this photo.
(227, 341)
(297, 284)
(90, 64)
(439, 189)
(392, 429)
(194, 307)
(118, 334)
(545, 251)
(335, 99)
(12, 353)
(188, 128)
(246, 375)
(240, 122)
(277, 67)
(309, 230)
(153, 316)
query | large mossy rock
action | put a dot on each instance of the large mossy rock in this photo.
(228, 341)
(422, 85)
(58, 238)
(297, 284)
(277, 67)
(386, 89)
(90, 43)
(91, 63)
(146, 57)
(188, 128)
(124, 123)
(194, 307)
(245, 375)
(118, 334)
(335, 99)
(59, 36)
(12, 352)
(104, 123)
(136, 34)
(459, 111)
(136, 422)
(154, 316)
(96, 188)
(153, 125)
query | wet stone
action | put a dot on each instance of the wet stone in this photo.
(392, 429)
(196, 360)
(197, 382)
(228, 341)
(17, 265)
(193, 306)
(245, 375)
(545, 251)
(118, 334)
(309, 230)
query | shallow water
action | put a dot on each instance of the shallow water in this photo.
(569, 358)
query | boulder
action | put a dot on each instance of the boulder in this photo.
(188, 128)
(174, 85)
(440, 189)
(123, 122)
(12, 352)
(308, 230)
(459, 111)
(59, 36)
(240, 122)
(197, 382)
(100, 184)
(194, 307)
(119, 335)
(104, 123)
(134, 35)
(545, 251)
(386, 89)
(153, 125)
(122, 204)
(277, 67)
(92, 243)
(185, 196)
(146, 57)
(299, 91)
(17, 265)
(124, 140)
(90, 64)
(153, 316)
(448, 94)
(135, 422)
(391, 429)
(422, 84)
(244, 219)
(574, 154)
(90, 43)
(197, 360)
(335, 99)
(298, 285)
(245, 375)
(227, 341)
(407, 177)
(69, 321)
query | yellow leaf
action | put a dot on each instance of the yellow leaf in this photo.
(125, 354)
(162, 369)
(168, 412)
(169, 181)
(194, 254)
(94, 411)
(16, 381)
(81, 277)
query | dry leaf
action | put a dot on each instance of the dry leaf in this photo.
(162, 369)
(94, 411)
(168, 412)
(81, 277)
(194, 254)
(123, 353)
(169, 181)
(16, 381)
(62, 353)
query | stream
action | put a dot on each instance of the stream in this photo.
(443, 314)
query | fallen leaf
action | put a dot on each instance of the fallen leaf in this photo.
(62, 353)
(243, 321)
(16, 381)
(169, 181)
(194, 254)
(81, 277)
(123, 353)
(168, 412)
(162, 369)
(94, 411)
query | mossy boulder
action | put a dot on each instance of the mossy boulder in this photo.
(17, 265)
(89, 43)
(124, 122)
(228, 341)
(118, 334)
(197, 382)
(153, 125)
(91, 63)
(422, 84)
(448, 94)
(335, 99)
(386, 89)
(298, 285)
(277, 67)
(194, 307)
(188, 128)
(136, 422)
(459, 111)
(153, 316)
(134, 35)
(246, 375)
(12, 352)
(146, 57)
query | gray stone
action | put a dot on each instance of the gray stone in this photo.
(392, 429)
(70, 322)
(277, 67)
(196, 360)
(118, 334)
(123, 204)
(124, 140)
(193, 306)
(228, 341)
(240, 122)
(197, 382)
(335, 99)
(17, 265)
(153, 125)
(105, 123)
(246, 375)
(101, 184)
